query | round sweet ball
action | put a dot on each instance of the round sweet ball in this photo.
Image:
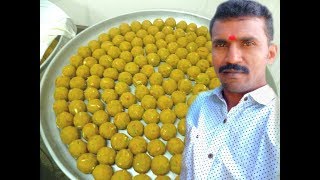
(148, 39)
(141, 176)
(95, 105)
(160, 165)
(106, 61)
(135, 128)
(148, 102)
(211, 72)
(62, 81)
(177, 75)
(140, 60)
(119, 64)
(178, 97)
(132, 68)
(97, 53)
(184, 65)
(182, 126)
(78, 82)
(90, 61)
(125, 77)
(175, 146)
(135, 111)
(127, 99)
(69, 71)
(151, 48)
(87, 162)
(165, 69)
(81, 119)
(203, 65)
(170, 21)
(75, 94)
(126, 56)
(77, 106)
(169, 86)
(121, 120)
(114, 52)
(153, 59)
(203, 78)
(185, 85)
(97, 69)
(95, 143)
(167, 116)
(147, 69)
(141, 91)
(124, 28)
(111, 73)
(181, 110)
(163, 54)
(121, 174)
(69, 134)
(203, 52)
(141, 163)
(156, 91)
(199, 88)
(93, 81)
(83, 71)
(114, 107)
(94, 44)
(60, 106)
(121, 87)
(156, 79)
(61, 93)
(64, 119)
(214, 82)
(162, 178)
(152, 131)
(156, 147)
(119, 141)
(182, 25)
(103, 37)
(151, 116)
(140, 79)
(84, 51)
(202, 31)
(106, 155)
(138, 145)
(137, 50)
(89, 130)
(193, 72)
(91, 93)
(99, 117)
(179, 33)
(77, 148)
(164, 102)
(192, 48)
(102, 171)
(109, 95)
(175, 163)
(168, 131)
(124, 159)
(107, 130)
(181, 53)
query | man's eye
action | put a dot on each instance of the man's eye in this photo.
(220, 45)
(249, 43)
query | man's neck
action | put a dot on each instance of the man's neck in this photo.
(232, 99)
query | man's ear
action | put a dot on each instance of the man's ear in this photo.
(272, 54)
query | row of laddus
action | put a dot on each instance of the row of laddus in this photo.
(139, 78)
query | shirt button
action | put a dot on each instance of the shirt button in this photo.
(225, 120)
(210, 156)
(245, 98)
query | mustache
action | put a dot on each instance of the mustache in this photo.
(234, 67)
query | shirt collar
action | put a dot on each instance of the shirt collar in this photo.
(262, 95)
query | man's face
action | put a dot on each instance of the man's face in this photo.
(241, 42)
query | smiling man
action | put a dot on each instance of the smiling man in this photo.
(233, 131)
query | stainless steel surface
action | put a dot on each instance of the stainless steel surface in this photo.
(48, 129)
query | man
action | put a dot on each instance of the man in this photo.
(233, 130)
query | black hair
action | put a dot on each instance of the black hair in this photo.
(241, 8)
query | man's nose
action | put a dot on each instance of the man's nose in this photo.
(234, 54)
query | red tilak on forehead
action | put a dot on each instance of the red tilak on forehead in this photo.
(232, 37)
